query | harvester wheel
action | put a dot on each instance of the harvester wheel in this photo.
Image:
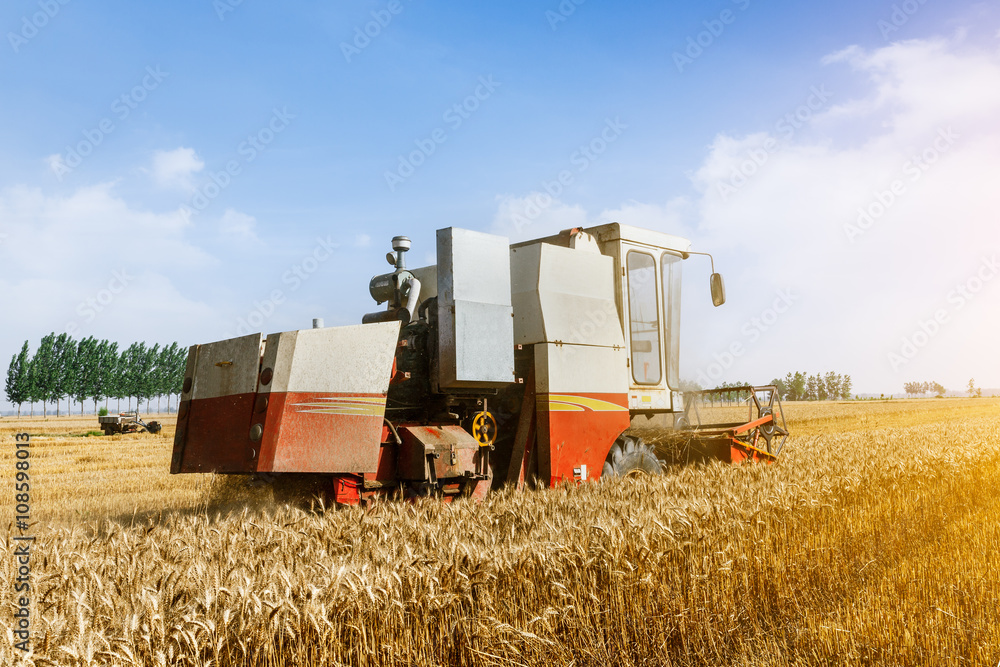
(630, 455)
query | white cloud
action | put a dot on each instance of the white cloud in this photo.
(94, 265)
(873, 221)
(362, 240)
(238, 227)
(920, 84)
(917, 153)
(175, 168)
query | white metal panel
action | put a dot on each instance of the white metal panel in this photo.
(528, 325)
(225, 368)
(580, 368)
(474, 265)
(351, 359)
(653, 399)
(564, 294)
(475, 325)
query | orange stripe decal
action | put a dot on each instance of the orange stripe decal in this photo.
(574, 403)
(369, 406)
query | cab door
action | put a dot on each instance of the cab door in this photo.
(650, 286)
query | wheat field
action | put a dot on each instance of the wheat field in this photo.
(874, 540)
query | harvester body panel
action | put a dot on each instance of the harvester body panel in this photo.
(565, 310)
(213, 417)
(475, 329)
(325, 403)
(301, 401)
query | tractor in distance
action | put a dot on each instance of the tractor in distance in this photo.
(501, 364)
(127, 422)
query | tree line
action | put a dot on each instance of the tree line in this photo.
(800, 386)
(91, 369)
(794, 387)
(921, 388)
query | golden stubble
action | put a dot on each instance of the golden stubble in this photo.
(872, 541)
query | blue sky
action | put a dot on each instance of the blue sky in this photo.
(300, 121)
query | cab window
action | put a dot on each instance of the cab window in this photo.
(644, 320)
(670, 266)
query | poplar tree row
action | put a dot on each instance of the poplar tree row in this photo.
(819, 387)
(94, 370)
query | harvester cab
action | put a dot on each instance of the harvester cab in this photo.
(499, 364)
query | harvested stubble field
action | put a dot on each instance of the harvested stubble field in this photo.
(874, 540)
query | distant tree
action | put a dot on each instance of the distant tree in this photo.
(972, 387)
(87, 371)
(31, 385)
(65, 359)
(149, 384)
(46, 372)
(17, 385)
(130, 372)
(178, 370)
(845, 388)
(938, 388)
(795, 386)
(166, 369)
(812, 388)
(780, 384)
(110, 378)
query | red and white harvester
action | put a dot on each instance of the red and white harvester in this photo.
(502, 364)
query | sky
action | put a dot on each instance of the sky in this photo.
(194, 170)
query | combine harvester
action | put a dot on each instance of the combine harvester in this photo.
(538, 361)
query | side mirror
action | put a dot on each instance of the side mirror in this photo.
(718, 289)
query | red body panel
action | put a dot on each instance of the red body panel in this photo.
(322, 432)
(575, 429)
(215, 435)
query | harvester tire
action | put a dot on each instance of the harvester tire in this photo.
(630, 455)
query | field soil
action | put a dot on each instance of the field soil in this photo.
(875, 539)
